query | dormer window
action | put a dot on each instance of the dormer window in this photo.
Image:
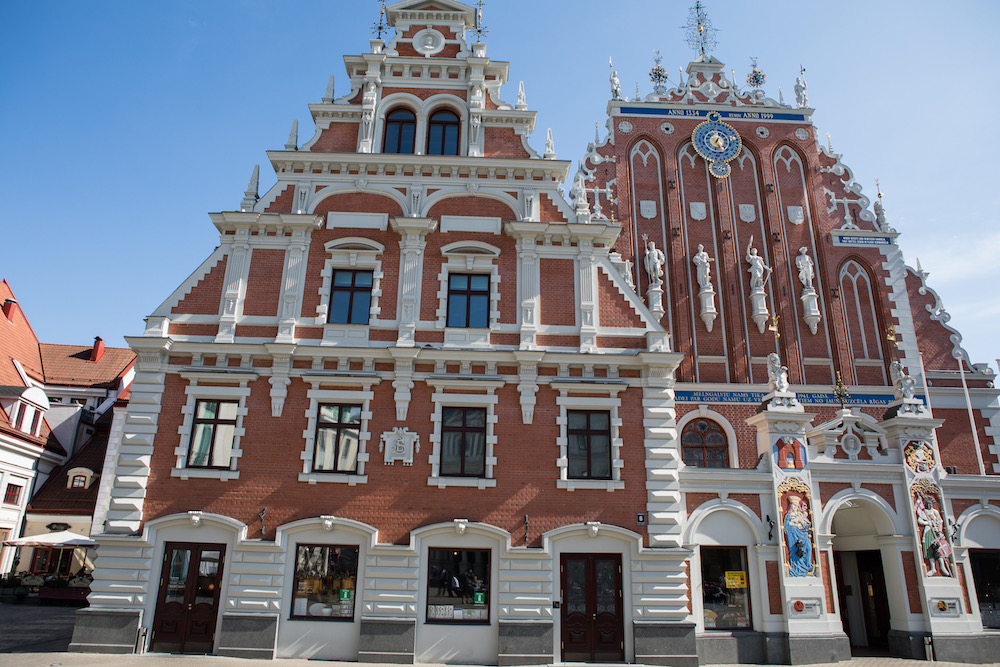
(442, 133)
(80, 478)
(400, 132)
(79, 482)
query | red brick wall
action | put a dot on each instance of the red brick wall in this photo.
(547, 211)
(502, 142)
(264, 282)
(283, 202)
(615, 311)
(556, 291)
(775, 600)
(956, 444)
(912, 586)
(338, 138)
(827, 583)
(206, 296)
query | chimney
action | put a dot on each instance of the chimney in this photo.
(98, 351)
(9, 308)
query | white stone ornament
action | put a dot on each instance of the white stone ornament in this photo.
(810, 299)
(777, 375)
(428, 42)
(796, 215)
(625, 126)
(667, 128)
(802, 133)
(647, 209)
(748, 212)
(706, 294)
(759, 273)
(698, 210)
(399, 444)
(763, 132)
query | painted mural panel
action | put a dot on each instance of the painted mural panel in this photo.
(935, 549)
(797, 528)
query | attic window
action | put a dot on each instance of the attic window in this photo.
(79, 482)
(79, 478)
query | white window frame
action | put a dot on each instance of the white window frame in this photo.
(317, 396)
(350, 253)
(471, 257)
(612, 403)
(195, 393)
(442, 398)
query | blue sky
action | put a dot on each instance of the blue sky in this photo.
(124, 123)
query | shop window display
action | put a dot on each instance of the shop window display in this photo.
(325, 581)
(725, 588)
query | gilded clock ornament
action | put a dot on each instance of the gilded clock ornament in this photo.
(718, 143)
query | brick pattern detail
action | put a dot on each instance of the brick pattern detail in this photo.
(693, 501)
(956, 444)
(751, 500)
(827, 582)
(338, 138)
(884, 491)
(503, 143)
(264, 282)
(557, 277)
(177, 329)
(775, 600)
(912, 585)
(205, 297)
(283, 202)
(828, 490)
(965, 589)
(547, 210)
(615, 311)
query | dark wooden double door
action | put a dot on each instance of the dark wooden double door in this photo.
(873, 597)
(593, 628)
(187, 606)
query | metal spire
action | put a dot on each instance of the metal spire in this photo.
(756, 78)
(380, 26)
(658, 75)
(480, 30)
(699, 29)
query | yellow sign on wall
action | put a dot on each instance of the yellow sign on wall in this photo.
(736, 579)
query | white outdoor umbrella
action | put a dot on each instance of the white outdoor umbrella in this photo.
(63, 538)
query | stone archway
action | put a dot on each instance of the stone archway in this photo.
(870, 573)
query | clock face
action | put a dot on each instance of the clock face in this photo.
(718, 143)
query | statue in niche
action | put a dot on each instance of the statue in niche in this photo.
(654, 264)
(801, 93)
(805, 265)
(776, 373)
(759, 271)
(703, 263)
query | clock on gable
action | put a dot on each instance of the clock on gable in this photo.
(718, 143)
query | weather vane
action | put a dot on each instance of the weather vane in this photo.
(658, 75)
(480, 30)
(380, 26)
(756, 78)
(840, 391)
(700, 32)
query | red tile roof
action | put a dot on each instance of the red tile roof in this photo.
(70, 365)
(53, 497)
(17, 341)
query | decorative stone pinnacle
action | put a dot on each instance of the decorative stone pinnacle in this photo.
(250, 197)
(550, 146)
(328, 98)
(522, 101)
(293, 137)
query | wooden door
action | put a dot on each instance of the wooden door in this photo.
(874, 599)
(593, 628)
(188, 604)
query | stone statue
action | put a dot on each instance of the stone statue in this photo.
(906, 384)
(801, 94)
(777, 374)
(880, 216)
(703, 262)
(759, 271)
(616, 86)
(805, 265)
(654, 264)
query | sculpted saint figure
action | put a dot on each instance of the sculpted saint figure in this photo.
(703, 262)
(777, 374)
(654, 264)
(616, 86)
(805, 266)
(759, 271)
(798, 538)
(801, 94)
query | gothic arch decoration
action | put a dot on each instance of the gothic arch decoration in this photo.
(860, 310)
(646, 175)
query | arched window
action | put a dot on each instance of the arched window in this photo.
(442, 133)
(400, 131)
(703, 444)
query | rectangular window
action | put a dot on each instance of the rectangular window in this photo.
(338, 433)
(463, 442)
(725, 588)
(458, 588)
(12, 495)
(350, 297)
(588, 433)
(51, 560)
(212, 435)
(19, 409)
(34, 422)
(469, 300)
(326, 578)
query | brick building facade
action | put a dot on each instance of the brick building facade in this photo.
(418, 407)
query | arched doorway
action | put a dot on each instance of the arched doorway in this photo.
(869, 572)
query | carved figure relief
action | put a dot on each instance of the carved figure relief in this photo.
(797, 528)
(919, 456)
(777, 375)
(935, 549)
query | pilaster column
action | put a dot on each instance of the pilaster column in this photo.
(414, 233)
